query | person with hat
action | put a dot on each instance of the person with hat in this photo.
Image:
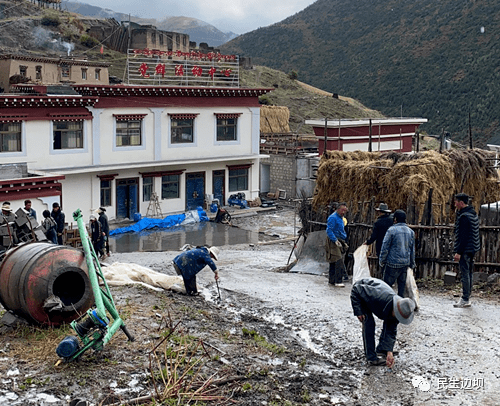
(103, 219)
(190, 262)
(380, 227)
(466, 244)
(371, 296)
(60, 219)
(398, 252)
(7, 215)
(96, 236)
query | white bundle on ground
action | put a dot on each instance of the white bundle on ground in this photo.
(120, 274)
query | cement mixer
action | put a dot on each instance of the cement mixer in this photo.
(45, 284)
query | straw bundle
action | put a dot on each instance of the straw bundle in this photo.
(274, 119)
(398, 179)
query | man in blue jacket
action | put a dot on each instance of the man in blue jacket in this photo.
(398, 252)
(466, 245)
(336, 244)
(189, 263)
(370, 297)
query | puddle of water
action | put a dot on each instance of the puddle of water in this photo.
(206, 233)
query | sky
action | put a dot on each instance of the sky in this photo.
(238, 16)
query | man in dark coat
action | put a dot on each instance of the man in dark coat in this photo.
(96, 236)
(466, 245)
(60, 219)
(103, 219)
(189, 263)
(384, 221)
(370, 297)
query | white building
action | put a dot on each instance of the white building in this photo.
(113, 146)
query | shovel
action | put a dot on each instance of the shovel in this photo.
(218, 290)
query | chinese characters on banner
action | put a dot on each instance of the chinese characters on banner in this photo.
(179, 71)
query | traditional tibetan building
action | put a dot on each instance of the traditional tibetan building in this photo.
(377, 134)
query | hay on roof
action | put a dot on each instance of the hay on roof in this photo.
(398, 179)
(274, 119)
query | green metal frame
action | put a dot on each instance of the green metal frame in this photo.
(102, 296)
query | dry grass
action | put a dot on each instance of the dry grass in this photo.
(399, 179)
(274, 119)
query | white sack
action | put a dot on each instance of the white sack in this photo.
(360, 269)
(411, 287)
(120, 274)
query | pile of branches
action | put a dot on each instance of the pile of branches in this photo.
(398, 179)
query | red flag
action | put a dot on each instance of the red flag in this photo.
(102, 49)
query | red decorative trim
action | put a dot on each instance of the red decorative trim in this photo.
(24, 188)
(17, 118)
(227, 115)
(161, 173)
(144, 91)
(183, 116)
(108, 176)
(234, 167)
(70, 117)
(129, 117)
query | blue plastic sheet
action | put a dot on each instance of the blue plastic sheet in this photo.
(169, 221)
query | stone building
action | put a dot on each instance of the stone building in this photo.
(44, 71)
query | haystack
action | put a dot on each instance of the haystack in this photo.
(274, 119)
(400, 179)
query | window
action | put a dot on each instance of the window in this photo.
(161, 39)
(23, 71)
(10, 137)
(238, 179)
(38, 71)
(128, 133)
(182, 130)
(97, 74)
(226, 129)
(153, 38)
(84, 74)
(170, 186)
(65, 71)
(105, 193)
(68, 134)
(147, 188)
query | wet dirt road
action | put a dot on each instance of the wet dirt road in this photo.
(447, 356)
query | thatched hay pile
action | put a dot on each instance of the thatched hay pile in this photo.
(274, 119)
(399, 179)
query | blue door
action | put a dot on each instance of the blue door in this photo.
(195, 190)
(218, 186)
(126, 197)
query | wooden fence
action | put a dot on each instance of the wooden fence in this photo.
(433, 242)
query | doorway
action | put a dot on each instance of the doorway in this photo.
(219, 180)
(195, 190)
(127, 196)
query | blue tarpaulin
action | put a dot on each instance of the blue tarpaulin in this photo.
(194, 216)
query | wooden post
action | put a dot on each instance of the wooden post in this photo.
(441, 142)
(427, 219)
(370, 137)
(417, 134)
(470, 133)
(326, 135)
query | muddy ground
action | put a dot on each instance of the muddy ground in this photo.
(274, 338)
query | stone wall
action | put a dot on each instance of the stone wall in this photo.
(282, 173)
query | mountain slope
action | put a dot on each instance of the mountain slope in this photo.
(198, 31)
(426, 58)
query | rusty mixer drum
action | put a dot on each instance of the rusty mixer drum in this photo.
(45, 283)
